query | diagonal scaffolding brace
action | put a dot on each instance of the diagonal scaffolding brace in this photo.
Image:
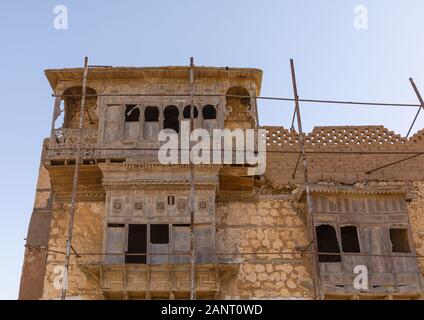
(393, 163)
(417, 92)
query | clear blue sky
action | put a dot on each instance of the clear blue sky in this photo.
(333, 61)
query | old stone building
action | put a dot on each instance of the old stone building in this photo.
(252, 234)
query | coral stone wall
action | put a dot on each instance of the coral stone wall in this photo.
(33, 269)
(265, 237)
(87, 238)
(416, 217)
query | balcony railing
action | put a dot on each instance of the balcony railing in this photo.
(63, 142)
(140, 281)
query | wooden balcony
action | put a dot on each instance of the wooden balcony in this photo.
(397, 276)
(166, 281)
(62, 144)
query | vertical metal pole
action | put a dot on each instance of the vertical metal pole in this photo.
(56, 113)
(75, 181)
(256, 106)
(317, 279)
(192, 203)
(417, 92)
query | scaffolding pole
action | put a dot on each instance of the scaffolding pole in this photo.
(75, 184)
(192, 237)
(417, 92)
(317, 279)
(420, 99)
(393, 163)
(341, 102)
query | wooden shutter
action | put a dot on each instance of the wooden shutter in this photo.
(204, 243)
(181, 243)
(115, 241)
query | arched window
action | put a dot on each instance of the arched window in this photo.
(238, 95)
(399, 240)
(151, 122)
(132, 113)
(132, 126)
(327, 244)
(187, 112)
(349, 237)
(72, 102)
(151, 114)
(170, 120)
(209, 112)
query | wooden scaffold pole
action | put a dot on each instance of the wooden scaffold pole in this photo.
(74, 197)
(317, 279)
(192, 202)
(420, 99)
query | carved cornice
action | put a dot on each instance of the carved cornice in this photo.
(157, 184)
(392, 189)
(173, 73)
(96, 196)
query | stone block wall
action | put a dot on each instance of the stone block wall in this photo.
(265, 238)
(32, 277)
(87, 238)
(415, 209)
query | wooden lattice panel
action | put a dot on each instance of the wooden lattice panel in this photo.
(206, 280)
(137, 280)
(182, 280)
(159, 281)
(113, 280)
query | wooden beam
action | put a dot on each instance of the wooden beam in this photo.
(192, 237)
(75, 182)
(317, 279)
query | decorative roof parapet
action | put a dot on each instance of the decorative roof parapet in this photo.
(171, 72)
(341, 137)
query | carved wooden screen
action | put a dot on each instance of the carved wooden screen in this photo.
(374, 216)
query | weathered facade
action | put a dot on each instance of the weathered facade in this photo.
(253, 234)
